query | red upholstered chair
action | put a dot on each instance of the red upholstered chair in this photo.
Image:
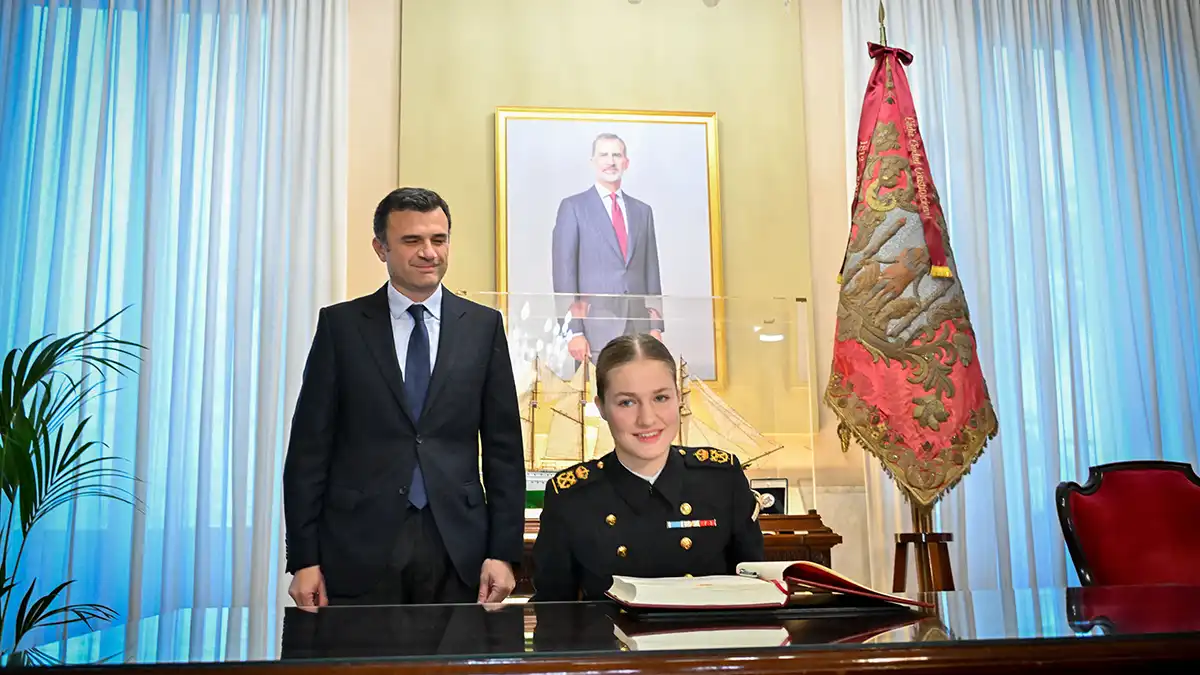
(1133, 523)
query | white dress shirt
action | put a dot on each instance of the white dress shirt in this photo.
(402, 323)
(607, 199)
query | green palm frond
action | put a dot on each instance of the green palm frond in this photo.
(39, 612)
(45, 461)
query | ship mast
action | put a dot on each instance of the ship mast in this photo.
(533, 405)
(684, 410)
(583, 397)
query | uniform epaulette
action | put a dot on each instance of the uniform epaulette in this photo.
(706, 456)
(576, 476)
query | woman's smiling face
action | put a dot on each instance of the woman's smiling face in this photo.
(641, 406)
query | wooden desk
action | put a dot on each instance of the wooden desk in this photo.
(798, 537)
(1055, 630)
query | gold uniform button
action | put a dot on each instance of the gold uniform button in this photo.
(682, 452)
(685, 543)
(599, 465)
(688, 576)
(621, 551)
(611, 520)
(685, 508)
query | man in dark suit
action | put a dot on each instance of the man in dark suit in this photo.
(604, 254)
(403, 391)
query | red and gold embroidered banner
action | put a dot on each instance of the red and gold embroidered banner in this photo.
(906, 381)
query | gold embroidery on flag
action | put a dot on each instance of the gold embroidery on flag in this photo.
(907, 313)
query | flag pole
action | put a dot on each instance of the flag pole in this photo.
(926, 433)
(922, 522)
(882, 25)
(922, 518)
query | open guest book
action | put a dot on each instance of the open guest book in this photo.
(756, 585)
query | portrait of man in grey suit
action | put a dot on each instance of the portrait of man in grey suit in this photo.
(605, 257)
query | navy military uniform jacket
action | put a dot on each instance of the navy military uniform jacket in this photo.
(599, 520)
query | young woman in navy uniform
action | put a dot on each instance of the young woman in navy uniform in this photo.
(648, 508)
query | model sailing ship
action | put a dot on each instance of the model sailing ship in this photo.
(561, 425)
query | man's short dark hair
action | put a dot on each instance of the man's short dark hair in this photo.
(606, 136)
(407, 199)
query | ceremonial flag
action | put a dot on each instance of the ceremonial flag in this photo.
(906, 381)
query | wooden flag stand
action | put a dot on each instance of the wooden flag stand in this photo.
(933, 556)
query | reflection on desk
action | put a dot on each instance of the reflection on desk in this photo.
(1138, 610)
(1045, 630)
(398, 631)
(557, 627)
(584, 627)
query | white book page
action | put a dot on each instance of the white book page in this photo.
(718, 591)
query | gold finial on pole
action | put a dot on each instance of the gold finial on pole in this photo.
(882, 25)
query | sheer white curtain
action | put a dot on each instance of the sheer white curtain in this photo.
(187, 159)
(1063, 137)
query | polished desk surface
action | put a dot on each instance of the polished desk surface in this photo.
(1050, 630)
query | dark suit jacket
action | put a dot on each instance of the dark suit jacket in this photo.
(353, 445)
(586, 259)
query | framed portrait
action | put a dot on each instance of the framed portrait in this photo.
(608, 222)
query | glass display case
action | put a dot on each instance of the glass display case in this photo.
(746, 378)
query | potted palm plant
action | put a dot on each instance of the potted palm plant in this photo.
(47, 462)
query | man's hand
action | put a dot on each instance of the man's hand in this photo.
(655, 316)
(496, 581)
(579, 348)
(579, 309)
(308, 588)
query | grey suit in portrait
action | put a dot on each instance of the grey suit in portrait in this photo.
(587, 265)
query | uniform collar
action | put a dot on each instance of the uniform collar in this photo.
(637, 492)
(648, 479)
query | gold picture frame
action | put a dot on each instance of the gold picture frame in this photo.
(547, 144)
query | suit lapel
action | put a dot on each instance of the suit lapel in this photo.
(377, 331)
(599, 214)
(453, 309)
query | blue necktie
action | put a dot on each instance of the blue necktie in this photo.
(416, 383)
